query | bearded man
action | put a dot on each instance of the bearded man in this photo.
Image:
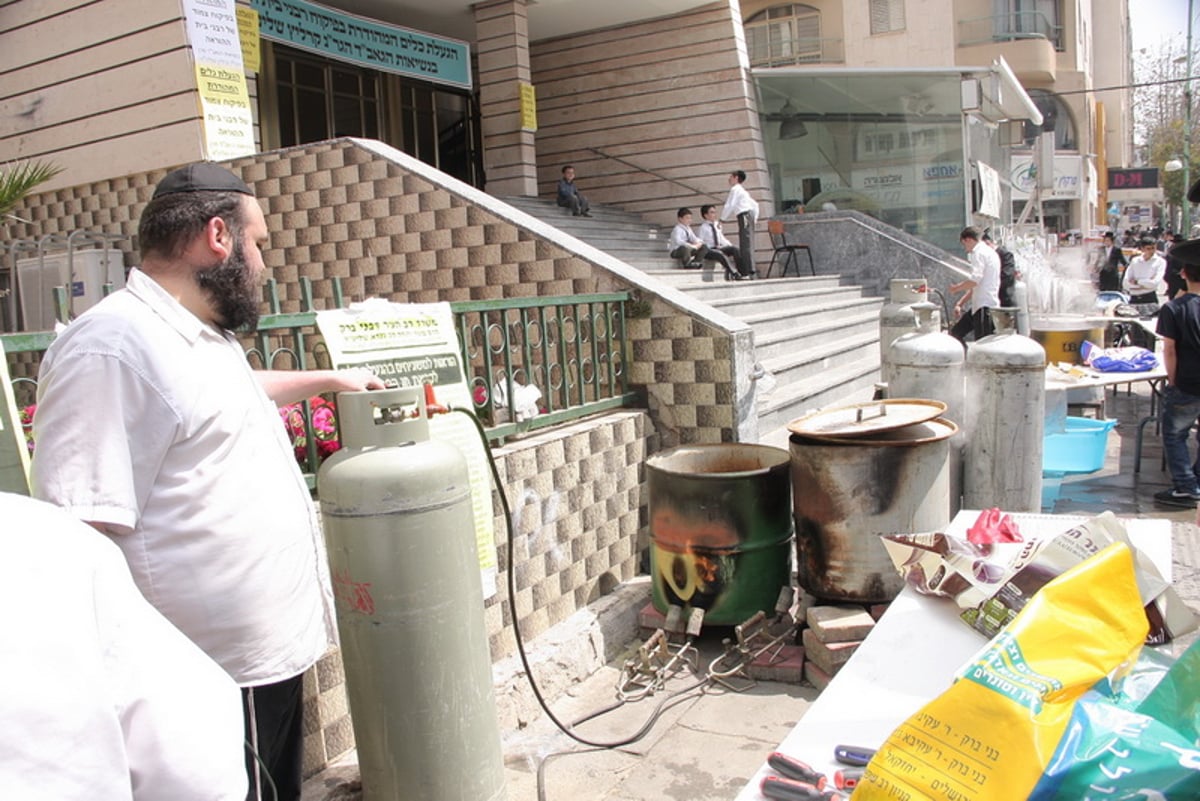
(152, 428)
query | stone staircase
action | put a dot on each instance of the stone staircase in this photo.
(818, 339)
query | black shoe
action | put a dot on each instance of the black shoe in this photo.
(1174, 497)
(585, 214)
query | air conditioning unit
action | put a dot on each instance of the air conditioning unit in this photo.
(83, 272)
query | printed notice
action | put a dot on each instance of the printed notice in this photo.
(212, 29)
(410, 345)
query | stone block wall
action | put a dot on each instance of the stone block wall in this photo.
(390, 226)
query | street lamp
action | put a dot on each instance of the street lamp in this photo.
(1175, 164)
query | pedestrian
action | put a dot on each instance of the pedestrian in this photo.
(743, 208)
(1109, 278)
(152, 427)
(1173, 276)
(683, 244)
(1144, 274)
(568, 194)
(1179, 328)
(720, 249)
(981, 291)
(102, 698)
(1008, 271)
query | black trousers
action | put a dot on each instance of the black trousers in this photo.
(274, 727)
(977, 322)
(746, 243)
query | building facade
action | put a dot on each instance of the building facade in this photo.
(653, 103)
(1064, 53)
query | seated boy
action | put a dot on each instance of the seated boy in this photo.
(684, 244)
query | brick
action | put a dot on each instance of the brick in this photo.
(829, 656)
(815, 676)
(650, 619)
(832, 624)
(786, 665)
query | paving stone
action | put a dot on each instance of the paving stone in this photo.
(828, 656)
(785, 665)
(831, 624)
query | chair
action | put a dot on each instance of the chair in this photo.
(780, 244)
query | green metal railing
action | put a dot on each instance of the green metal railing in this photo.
(572, 348)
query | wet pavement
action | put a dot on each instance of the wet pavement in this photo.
(708, 741)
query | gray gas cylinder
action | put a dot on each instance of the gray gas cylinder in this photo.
(398, 521)
(927, 364)
(1005, 408)
(896, 317)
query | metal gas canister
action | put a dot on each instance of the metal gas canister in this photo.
(399, 525)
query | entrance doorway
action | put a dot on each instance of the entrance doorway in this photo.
(309, 98)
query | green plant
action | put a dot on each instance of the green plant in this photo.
(18, 180)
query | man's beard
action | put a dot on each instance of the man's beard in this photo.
(231, 290)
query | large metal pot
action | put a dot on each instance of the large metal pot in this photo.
(850, 487)
(720, 528)
(1063, 335)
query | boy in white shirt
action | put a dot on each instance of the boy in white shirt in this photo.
(684, 244)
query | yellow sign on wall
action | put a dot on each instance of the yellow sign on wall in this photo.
(248, 34)
(528, 107)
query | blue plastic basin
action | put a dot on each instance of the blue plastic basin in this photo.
(1079, 448)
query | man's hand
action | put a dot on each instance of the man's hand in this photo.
(355, 379)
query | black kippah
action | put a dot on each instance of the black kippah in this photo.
(203, 176)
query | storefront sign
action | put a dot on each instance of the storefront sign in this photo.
(377, 45)
(1146, 178)
(212, 30)
(1068, 179)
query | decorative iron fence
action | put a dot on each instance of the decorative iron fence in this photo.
(572, 349)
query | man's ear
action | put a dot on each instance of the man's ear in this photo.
(219, 238)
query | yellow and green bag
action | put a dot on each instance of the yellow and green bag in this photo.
(1056, 706)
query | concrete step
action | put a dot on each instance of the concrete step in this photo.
(754, 293)
(786, 344)
(819, 352)
(818, 337)
(796, 304)
(833, 387)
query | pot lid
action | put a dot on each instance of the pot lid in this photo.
(873, 417)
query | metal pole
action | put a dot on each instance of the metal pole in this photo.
(1187, 129)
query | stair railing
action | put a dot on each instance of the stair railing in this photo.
(656, 174)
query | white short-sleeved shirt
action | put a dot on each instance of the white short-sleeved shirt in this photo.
(737, 201)
(985, 272)
(100, 696)
(151, 421)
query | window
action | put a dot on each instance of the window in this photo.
(321, 100)
(785, 35)
(887, 16)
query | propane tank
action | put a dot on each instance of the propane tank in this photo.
(1005, 406)
(400, 530)
(929, 364)
(1020, 299)
(896, 316)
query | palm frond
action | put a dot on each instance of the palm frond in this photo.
(18, 180)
